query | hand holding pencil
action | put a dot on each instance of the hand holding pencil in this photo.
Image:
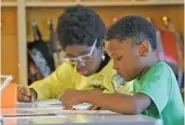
(24, 93)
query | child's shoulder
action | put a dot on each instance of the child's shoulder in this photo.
(65, 67)
(160, 67)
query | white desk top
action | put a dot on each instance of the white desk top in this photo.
(25, 114)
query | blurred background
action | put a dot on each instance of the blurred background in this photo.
(30, 50)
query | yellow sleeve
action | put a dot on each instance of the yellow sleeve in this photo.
(108, 86)
(53, 85)
(127, 88)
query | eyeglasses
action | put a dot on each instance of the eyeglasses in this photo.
(84, 58)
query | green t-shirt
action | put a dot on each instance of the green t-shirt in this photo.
(159, 83)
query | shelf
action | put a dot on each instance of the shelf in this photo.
(102, 3)
(9, 4)
(132, 3)
(40, 3)
(49, 4)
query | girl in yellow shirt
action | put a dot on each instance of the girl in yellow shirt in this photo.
(81, 32)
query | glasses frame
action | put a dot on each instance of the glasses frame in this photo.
(80, 58)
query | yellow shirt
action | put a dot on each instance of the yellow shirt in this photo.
(66, 77)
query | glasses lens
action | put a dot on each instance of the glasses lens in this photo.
(86, 58)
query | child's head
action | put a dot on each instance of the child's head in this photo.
(81, 32)
(131, 43)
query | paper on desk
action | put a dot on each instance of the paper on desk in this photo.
(57, 103)
(47, 102)
(82, 106)
(54, 103)
(24, 113)
(102, 112)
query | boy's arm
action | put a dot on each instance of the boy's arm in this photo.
(120, 103)
(115, 102)
(53, 85)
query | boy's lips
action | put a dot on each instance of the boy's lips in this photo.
(83, 71)
(119, 74)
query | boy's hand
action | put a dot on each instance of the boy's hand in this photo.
(94, 107)
(98, 90)
(71, 97)
(26, 94)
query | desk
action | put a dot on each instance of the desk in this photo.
(55, 116)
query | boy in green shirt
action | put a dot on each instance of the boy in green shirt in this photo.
(131, 42)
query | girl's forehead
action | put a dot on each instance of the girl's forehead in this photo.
(76, 50)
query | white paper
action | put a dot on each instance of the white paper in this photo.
(28, 113)
(36, 117)
(84, 112)
(42, 103)
(56, 103)
(82, 106)
(47, 102)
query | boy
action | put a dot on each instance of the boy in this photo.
(86, 67)
(131, 42)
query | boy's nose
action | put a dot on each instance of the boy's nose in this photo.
(80, 63)
(115, 66)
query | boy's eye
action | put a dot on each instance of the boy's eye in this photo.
(119, 58)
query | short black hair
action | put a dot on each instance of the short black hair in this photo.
(133, 27)
(80, 25)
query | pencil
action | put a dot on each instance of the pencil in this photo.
(24, 78)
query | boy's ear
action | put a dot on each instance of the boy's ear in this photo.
(143, 48)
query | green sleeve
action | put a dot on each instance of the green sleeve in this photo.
(157, 85)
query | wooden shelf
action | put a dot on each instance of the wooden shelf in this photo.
(132, 3)
(9, 4)
(49, 4)
(102, 3)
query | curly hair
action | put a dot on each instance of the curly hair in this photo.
(80, 25)
(133, 27)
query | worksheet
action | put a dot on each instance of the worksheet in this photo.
(54, 103)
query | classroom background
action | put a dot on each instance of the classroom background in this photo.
(30, 50)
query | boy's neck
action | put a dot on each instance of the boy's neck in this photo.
(104, 62)
(151, 61)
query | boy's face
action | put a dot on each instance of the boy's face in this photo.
(127, 57)
(89, 58)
